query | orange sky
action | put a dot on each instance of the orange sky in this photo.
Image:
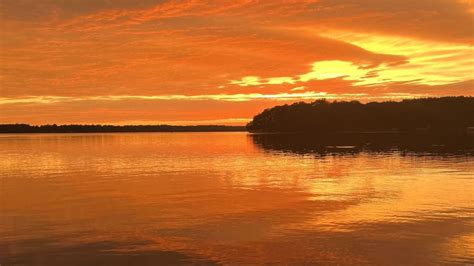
(202, 62)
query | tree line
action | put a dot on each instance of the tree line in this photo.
(426, 114)
(25, 128)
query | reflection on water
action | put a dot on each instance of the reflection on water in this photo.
(233, 198)
(421, 144)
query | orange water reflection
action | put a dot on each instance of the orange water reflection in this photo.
(225, 198)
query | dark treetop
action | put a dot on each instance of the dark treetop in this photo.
(428, 114)
(24, 128)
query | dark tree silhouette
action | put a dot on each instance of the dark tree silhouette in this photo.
(428, 114)
(24, 128)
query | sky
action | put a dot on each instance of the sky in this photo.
(222, 62)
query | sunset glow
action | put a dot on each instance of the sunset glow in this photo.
(198, 62)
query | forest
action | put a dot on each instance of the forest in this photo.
(453, 114)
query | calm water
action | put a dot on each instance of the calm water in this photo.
(232, 198)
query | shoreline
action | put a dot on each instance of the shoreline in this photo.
(52, 129)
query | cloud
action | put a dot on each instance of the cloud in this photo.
(168, 61)
(428, 63)
(439, 20)
(216, 97)
(32, 10)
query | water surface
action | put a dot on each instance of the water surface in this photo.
(233, 198)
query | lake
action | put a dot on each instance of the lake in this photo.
(234, 198)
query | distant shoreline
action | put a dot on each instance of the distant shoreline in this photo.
(46, 129)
